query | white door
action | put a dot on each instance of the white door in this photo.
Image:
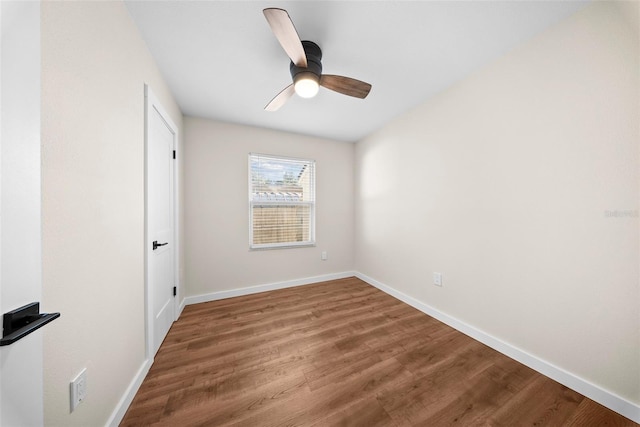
(21, 363)
(160, 239)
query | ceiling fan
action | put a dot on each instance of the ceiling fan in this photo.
(306, 68)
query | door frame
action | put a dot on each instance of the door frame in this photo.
(152, 103)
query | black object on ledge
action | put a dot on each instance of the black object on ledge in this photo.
(22, 321)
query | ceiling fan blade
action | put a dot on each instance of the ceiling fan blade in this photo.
(345, 85)
(284, 30)
(280, 99)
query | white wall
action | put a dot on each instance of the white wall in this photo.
(520, 184)
(94, 66)
(216, 208)
(20, 244)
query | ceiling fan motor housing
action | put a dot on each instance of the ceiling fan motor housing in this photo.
(314, 56)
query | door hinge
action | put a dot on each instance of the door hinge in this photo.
(174, 154)
(175, 291)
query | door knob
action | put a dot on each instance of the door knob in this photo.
(156, 245)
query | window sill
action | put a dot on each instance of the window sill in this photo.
(281, 246)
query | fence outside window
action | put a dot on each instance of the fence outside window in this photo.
(282, 201)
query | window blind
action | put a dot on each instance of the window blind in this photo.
(282, 201)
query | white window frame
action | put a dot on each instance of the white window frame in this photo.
(312, 204)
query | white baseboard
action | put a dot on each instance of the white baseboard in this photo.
(181, 307)
(592, 391)
(214, 296)
(125, 401)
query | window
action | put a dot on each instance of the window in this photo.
(281, 202)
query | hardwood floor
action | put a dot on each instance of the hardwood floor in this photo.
(341, 353)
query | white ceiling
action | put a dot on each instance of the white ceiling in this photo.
(221, 60)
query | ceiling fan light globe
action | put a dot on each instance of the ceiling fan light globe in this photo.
(306, 86)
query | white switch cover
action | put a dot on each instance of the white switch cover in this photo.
(78, 389)
(324, 255)
(437, 279)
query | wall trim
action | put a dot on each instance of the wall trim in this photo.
(181, 307)
(584, 387)
(125, 401)
(214, 296)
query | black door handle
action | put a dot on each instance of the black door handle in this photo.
(156, 245)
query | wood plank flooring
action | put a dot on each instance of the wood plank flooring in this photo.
(341, 353)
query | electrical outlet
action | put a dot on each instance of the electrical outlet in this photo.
(78, 389)
(324, 255)
(437, 279)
